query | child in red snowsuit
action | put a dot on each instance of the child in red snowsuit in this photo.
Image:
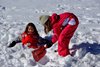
(63, 26)
(31, 39)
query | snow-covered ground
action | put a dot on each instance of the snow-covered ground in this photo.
(16, 14)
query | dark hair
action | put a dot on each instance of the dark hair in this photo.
(32, 25)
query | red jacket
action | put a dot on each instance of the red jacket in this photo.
(40, 51)
(56, 22)
(30, 38)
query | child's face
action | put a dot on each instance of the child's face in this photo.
(30, 30)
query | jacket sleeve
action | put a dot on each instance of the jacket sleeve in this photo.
(24, 39)
(55, 27)
(54, 38)
(18, 39)
(56, 33)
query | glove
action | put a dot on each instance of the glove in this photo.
(48, 43)
(12, 44)
(17, 40)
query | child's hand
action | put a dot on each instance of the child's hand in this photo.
(48, 43)
(27, 44)
(12, 44)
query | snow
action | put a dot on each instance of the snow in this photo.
(16, 14)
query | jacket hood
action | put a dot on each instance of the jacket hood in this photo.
(54, 18)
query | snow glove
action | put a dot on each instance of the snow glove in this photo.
(42, 42)
(49, 43)
(13, 43)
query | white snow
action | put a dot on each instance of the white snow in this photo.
(16, 14)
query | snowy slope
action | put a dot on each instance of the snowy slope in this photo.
(16, 14)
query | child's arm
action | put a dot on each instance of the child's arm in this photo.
(17, 40)
(44, 41)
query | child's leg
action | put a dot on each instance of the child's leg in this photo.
(64, 39)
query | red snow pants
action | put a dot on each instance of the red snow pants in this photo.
(64, 39)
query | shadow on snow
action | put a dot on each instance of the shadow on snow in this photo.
(92, 48)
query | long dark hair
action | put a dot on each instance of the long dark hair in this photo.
(32, 25)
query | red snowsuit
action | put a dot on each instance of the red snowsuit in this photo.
(39, 51)
(64, 26)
